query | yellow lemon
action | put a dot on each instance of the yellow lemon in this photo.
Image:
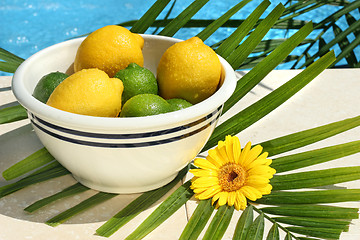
(88, 92)
(110, 48)
(189, 70)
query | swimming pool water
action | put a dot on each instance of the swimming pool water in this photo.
(28, 26)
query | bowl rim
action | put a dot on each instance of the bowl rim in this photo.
(40, 109)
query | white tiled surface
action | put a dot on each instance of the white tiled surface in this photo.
(332, 96)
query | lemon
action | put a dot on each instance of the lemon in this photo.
(47, 84)
(144, 105)
(189, 70)
(178, 104)
(136, 80)
(88, 92)
(110, 49)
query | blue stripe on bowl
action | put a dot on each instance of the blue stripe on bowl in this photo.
(125, 136)
(125, 145)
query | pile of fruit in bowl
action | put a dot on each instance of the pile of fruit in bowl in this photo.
(109, 79)
(124, 112)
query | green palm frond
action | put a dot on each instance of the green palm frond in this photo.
(297, 213)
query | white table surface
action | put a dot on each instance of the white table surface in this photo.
(332, 96)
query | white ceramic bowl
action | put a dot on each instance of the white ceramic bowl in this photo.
(119, 155)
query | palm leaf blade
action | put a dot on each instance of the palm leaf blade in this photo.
(149, 17)
(12, 114)
(316, 178)
(311, 197)
(255, 75)
(317, 232)
(303, 138)
(84, 205)
(32, 179)
(256, 111)
(35, 160)
(69, 191)
(315, 211)
(244, 223)
(236, 37)
(141, 203)
(256, 230)
(309, 158)
(314, 222)
(237, 57)
(219, 223)
(211, 28)
(166, 209)
(273, 233)
(197, 220)
(178, 22)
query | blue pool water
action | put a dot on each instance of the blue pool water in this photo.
(28, 26)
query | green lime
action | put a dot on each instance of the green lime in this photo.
(178, 103)
(144, 105)
(137, 80)
(47, 84)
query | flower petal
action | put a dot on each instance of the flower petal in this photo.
(265, 190)
(244, 153)
(231, 198)
(223, 197)
(204, 173)
(204, 164)
(251, 193)
(208, 193)
(253, 154)
(216, 158)
(257, 180)
(204, 182)
(240, 201)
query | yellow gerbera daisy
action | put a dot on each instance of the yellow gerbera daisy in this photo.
(230, 175)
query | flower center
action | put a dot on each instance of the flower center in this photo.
(231, 177)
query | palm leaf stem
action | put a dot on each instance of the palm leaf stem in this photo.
(231, 23)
